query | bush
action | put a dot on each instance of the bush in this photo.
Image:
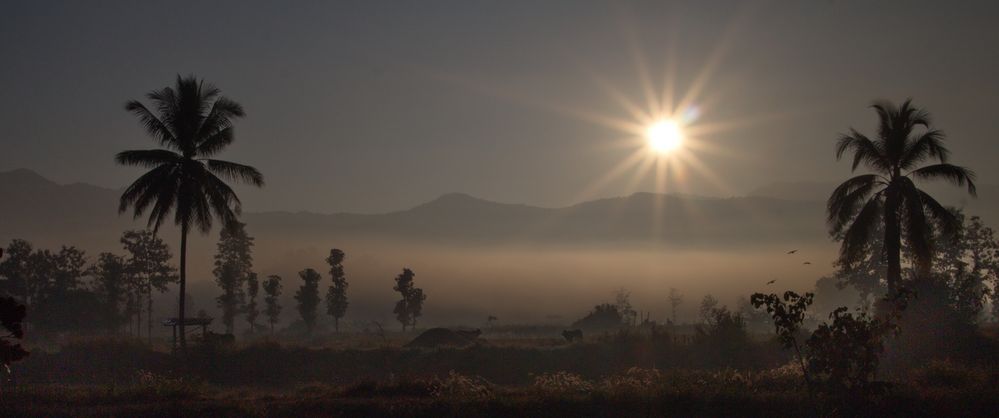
(460, 387)
(561, 383)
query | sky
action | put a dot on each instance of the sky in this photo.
(373, 106)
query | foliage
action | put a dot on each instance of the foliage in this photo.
(252, 311)
(844, 354)
(460, 387)
(724, 337)
(11, 318)
(675, 300)
(15, 270)
(410, 306)
(603, 316)
(889, 196)
(233, 266)
(788, 314)
(336, 296)
(111, 285)
(622, 300)
(561, 383)
(308, 297)
(708, 305)
(148, 267)
(272, 288)
(193, 123)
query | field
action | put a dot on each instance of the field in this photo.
(614, 374)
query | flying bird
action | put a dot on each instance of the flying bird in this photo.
(792, 251)
(807, 262)
(772, 281)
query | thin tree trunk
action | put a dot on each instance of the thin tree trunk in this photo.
(893, 244)
(138, 314)
(149, 312)
(183, 286)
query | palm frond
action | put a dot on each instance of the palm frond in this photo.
(847, 198)
(929, 145)
(236, 172)
(859, 233)
(215, 143)
(147, 158)
(918, 232)
(945, 219)
(155, 127)
(956, 175)
(864, 150)
(220, 117)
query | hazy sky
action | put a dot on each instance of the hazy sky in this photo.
(374, 106)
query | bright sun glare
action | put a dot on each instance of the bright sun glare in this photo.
(664, 136)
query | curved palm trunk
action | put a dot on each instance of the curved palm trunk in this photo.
(893, 244)
(183, 286)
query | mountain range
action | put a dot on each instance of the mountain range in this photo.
(37, 209)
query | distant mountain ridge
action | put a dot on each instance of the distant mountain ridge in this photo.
(36, 208)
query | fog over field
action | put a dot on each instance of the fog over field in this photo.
(476, 258)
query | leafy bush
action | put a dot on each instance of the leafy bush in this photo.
(844, 354)
(561, 383)
(461, 387)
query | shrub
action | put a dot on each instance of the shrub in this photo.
(561, 383)
(460, 387)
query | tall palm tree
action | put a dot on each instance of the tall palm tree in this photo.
(192, 122)
(889, 195)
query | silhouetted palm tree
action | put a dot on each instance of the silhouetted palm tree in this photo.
(193, 123)
(890, 195)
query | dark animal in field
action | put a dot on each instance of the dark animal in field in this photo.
(772, 281)
(792, 251)
(443, 337)
(573, 335)
(212, 338)
(807, 263)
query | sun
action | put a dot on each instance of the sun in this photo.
(664, 136)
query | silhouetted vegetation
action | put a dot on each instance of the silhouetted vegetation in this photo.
(890, 196)
(410, 306)
(194, 123)
(272, 288)
(336, 296)
(148, 267)
(233, 267)
(308, 298)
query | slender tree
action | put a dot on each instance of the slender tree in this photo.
(193, 123)
(336, 296)
(148, 265)
(233, 266)
(252, 312)
(889, 195)
(272, 288)
(675, 300)
(410, 306)
(16, 270)
(111, 285)
(308, 297)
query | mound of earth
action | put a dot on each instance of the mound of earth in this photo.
(443, 337)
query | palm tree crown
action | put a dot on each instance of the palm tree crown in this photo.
(890, 194)
(183, 177)
(193, 123)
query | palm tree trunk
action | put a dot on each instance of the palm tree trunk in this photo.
(138, 314)
(893, 244)
(149, 312)
(183, 286)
